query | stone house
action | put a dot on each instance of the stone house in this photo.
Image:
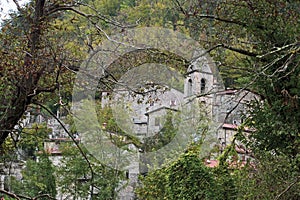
(225, 107)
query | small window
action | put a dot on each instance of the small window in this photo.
(190, 87)
(173, 103)
(157, 121)
(202, 85)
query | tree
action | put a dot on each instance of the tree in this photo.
(74, 175)
(38, 179)
(188, 178)
(39, 60)
(255, 42)
(265, 34)
(273, 177)
(32, 138)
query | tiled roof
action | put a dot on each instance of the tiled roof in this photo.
(232, 164)
(234, 127)
(230, 126)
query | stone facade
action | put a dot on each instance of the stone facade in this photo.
(225, 108)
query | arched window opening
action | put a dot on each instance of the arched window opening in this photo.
(202, 85)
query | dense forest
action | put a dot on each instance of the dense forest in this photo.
(256, 47)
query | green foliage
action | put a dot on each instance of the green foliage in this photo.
(38, 178)
(271, 177)
(187, 178)
(164, 136)
(8, 150)
(159, 13)
(275, 129)
(27, 144)
(73, 174)
(266, 31)
(228, 152)
(32, 139)
(153, 185)
(75, 178)
(106, 119)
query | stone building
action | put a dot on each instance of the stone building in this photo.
(226, 108)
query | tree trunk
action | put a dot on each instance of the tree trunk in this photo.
(23, 90)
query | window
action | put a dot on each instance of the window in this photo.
(173, 103)
(157, 122)
(190, 87)
(202, 85)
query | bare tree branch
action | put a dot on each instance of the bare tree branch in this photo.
(19, 197)
(107, 19)
(18, 6)
(279, 49)
(288, 188)
(222, 20)
(234, 107)
(241, 51)
(249, 53)
(88, 16)
(12, 195)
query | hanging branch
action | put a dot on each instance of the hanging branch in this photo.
(19, 197)
(73, 139)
